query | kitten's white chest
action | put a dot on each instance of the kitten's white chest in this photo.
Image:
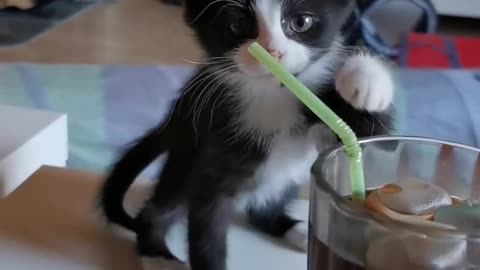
(289, 157)
(266, 108)
(289, 162)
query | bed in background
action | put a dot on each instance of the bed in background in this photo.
(109, 106)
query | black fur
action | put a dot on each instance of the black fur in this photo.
(206, 169)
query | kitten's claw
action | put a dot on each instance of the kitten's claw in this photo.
(298, 236)
(159, 263)
(365, 83)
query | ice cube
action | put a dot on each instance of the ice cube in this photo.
(415, 251)
(464, 217)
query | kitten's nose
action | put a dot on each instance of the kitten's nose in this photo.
(276, 53)
(265, 40)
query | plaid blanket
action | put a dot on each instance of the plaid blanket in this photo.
(109, 106)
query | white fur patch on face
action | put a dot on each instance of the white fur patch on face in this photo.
(365, 82)
(264, 106)
(322, 70)
(296, 56)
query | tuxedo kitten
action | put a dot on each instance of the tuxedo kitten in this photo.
(236, 138)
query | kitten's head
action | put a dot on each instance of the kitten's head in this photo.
(297, 32)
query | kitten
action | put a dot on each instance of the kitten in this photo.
(236, 138)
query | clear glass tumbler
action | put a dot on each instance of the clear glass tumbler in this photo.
(343, 235)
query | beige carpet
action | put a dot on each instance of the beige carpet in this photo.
(138, 32)
(124, 31)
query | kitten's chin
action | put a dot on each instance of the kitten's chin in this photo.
(256, 72)
(267, 76)
(264, 78)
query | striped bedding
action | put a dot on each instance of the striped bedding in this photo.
(109, 106)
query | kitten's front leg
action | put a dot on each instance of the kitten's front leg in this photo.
(365, 82)
(219, 176)
(208, 222)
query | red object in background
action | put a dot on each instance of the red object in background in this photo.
(434, 51)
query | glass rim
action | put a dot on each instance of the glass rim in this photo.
(360, 212)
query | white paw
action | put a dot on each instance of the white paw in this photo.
(298, 236)
(159, 263)
(365, 83)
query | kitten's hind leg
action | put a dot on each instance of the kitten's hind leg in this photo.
(270, 217)
(154, 221)
(160, 212)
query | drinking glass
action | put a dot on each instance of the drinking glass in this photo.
(344, 235)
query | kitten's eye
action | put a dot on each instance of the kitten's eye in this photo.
(301, 23)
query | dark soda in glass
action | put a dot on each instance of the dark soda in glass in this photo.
(321, 257)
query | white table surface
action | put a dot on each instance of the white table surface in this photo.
(28, 139)
(50, 223)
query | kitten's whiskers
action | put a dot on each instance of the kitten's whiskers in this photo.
(195, 89)
(231, 2)
(207, 92)
(215, 70)
(225, 96)
(382, 124)
(191, 85)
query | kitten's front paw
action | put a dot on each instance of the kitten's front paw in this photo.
(365, 83)
(298, 236)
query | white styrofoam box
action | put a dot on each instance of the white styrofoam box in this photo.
(29, 139)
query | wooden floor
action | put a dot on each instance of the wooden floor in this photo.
(123, 31)
(136, 32)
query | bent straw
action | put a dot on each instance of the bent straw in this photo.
(348, 137)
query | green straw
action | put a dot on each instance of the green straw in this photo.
(334, 122)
